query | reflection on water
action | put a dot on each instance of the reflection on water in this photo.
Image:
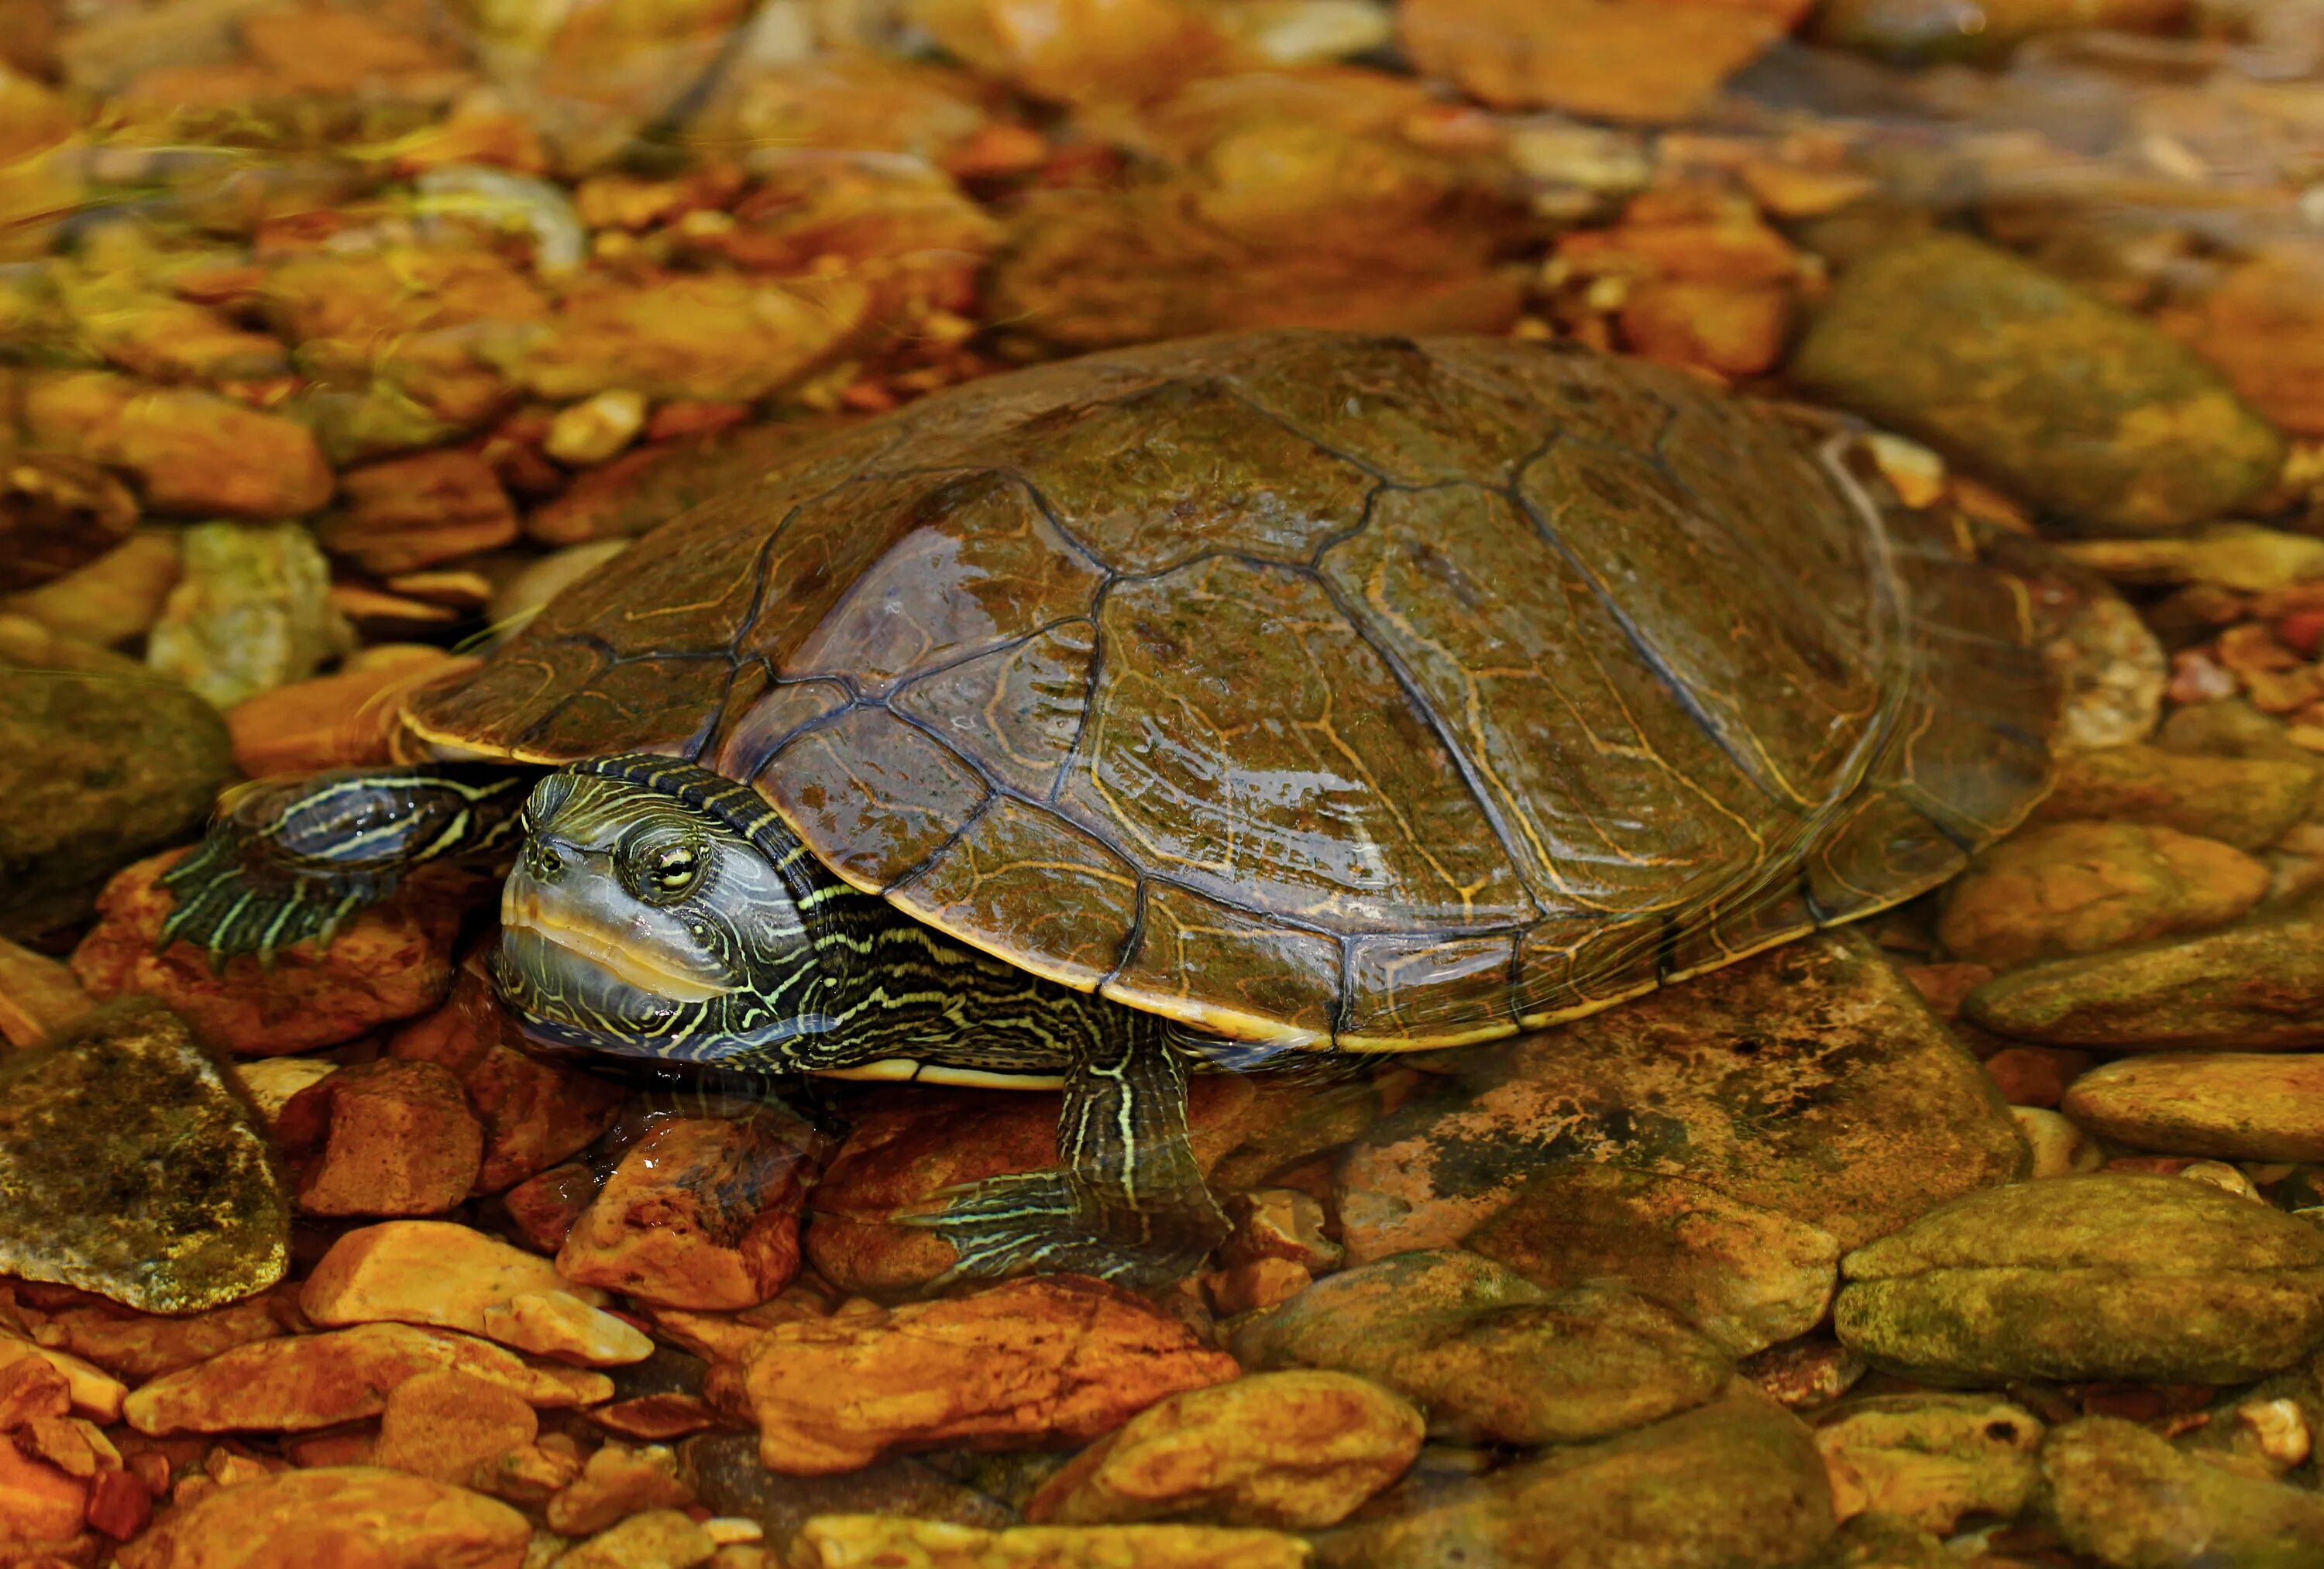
(1290, 690)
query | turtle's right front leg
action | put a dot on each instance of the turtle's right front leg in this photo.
(287, 861)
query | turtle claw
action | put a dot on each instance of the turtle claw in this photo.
(1052, 1222)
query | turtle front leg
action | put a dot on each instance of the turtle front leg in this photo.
(1127, 1201)
(291, 861)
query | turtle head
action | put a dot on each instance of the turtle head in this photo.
(656, 911)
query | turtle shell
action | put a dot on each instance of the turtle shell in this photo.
(1315, 687)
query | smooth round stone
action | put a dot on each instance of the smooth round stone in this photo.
(2238, 1105)
(1930, 1459)
(2073, 887)
(2115, 1275)
(2124, 1497)
(2069, 402)
(2246, 801)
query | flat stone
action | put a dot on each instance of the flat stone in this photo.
(656, 1539)
(2246, 801)
(131, 1167)
(1491, 1357)
(2236, 1105)
(138, 1346)
(1930, 1459)
(2074, 887)
(1811, 1080)
(1735, 1484)
(2115, 1275)
(2127, 1499)
(401, 1140)
(619, 1480)
(354, 1514)
(1021, 1365)
(452, 1426)
(2256, 987)
(1746, 1277)
(1286, 1451)
(702, 1212)
(96, 771)
(2057, 398)
(859, 1541)
(730, 1479)
(39, 998)
(304, 1382)
(455, 1277)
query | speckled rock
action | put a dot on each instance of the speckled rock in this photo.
(2110, 669)
(253, 611)
(1488, 1354)
(1930, 1459)
(94, 771)
(359, 1516)
(130, 1166)
(878, 1541)
(1746, 1277)
(2243, 801)
(1811, 1080)
(1287, 1450)
(2117, 1275)
(2056, 395)
(2238, 1105)
(401, 1140)
(2075, 887)
(1734, 1484)
(730, 1479)
(2128, 1500)
(2255, 986)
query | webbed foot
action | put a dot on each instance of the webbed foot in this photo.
(1059, 1222)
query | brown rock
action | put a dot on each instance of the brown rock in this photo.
(1623, 60)
(639, 489)
(1022, 1364)
(332, 722)
(2035, 1076)
(95, 1394)
(453, 1276)
(2235, 1105)
(408, 513)
(346, 1517)
(702, 1212)
(657, 1540)
(192, 452)
(2076, 888)
(535, 1113)
(2263, 326)
(305, 1381)
(1930, 1458)
(38, 997)
(114, 598)
(858, 1541)
(37, 1501)
(1288, 1451)
(447, 1424)
(1732, 331)
(30, 1388)
(57, 514)
(544, 1207)
(619, 1480)
(2246, 801)
(139, 1345)
(390, 962)
(701, 336)
(402, 1142)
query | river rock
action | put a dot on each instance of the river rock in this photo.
(337, 1515)
(2054, 395)
(1733, 1484)
(2126, 1498)
(401, 1140)
(1020, 1366)
(2073, 887)
(730, 1479)
(702, 1212)
(2230, 727)
(1746, 1277)
(1915, 32)
(130, 1166)
(1288, 1451)
(2115, 1275)
(2246, 801)
(2110, 669)
(862, 1541)
(2257, 986)
(2236, 1105)
(1811, 1080)
(1930, 1459)
(1491, 1357)
(253, 611)
(96, 772)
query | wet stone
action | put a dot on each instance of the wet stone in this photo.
(1811, 1080)
(1488, 1354)
(131, 1167)
(1930, 1459)
(702, 1212)
(2059, 1145)
(2056, 397)
(863, 1541)
(1287, 1450)
(2111, 672)
(2234, 1104)
(253, 611)
(730, 1479)
(296, 1519)
(1746, 1277)
(400, 1141)
(2108, 1276)
(2126, 1499)
(619, 1480)
(449, 1425)
(2073, 887)
(1737, 1483)
(2255, 986)
(1020, 1366)
(656, 1539)
(2246, 801)
(138, 1346)
(96, 772)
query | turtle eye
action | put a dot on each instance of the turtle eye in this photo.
(664, 871)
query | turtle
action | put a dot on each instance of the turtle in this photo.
(1189, 706)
